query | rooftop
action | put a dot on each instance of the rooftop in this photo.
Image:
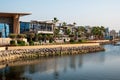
(42, 22)
(13, 14)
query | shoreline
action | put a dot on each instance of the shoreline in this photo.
(33, 52)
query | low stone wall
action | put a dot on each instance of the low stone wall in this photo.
(4, 41)
(2, 48)
(18, 54)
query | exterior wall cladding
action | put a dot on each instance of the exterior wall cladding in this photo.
(4, 30)
(24, 27)
(37, 27)
(42, 27)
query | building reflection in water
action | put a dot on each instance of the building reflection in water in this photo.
(73, 62)
(4, 73)
(80, 61)
(55, 66)
(56, 73)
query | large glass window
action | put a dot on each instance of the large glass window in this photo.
(4, 30)
(24, 26)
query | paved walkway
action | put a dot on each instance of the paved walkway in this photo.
(53, 46)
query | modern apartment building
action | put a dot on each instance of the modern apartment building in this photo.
(12, 20)
(24, 27)
(43, 27)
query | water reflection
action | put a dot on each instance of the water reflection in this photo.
(4, 72)
(54, 68)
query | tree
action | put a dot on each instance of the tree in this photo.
(56, 33)
(40, 36)
(50, 37)
(36, 37)
(64, 24)
(81, 31)
(98, 32)
(67, 31)
(102, 28)
(45, 37)
(74, 23)
(30, 36)
(55, 20)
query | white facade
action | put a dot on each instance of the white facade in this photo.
(43, 27)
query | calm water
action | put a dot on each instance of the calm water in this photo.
(95, 66)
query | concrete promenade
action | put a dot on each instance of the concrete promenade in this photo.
(53, 46)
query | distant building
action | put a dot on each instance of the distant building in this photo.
(113, 34)
(43, 27)
(107, 33)
(119, 34)
(89, 29)
(63, 29)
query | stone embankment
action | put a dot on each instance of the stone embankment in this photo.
(32, 53)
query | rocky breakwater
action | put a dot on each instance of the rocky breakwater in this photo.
(18, 54)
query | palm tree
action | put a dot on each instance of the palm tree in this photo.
(98, 32)
(50, 37)
(94, 32)
(73, 28)
(55, 20)
(64, 24)
(56, 33)
(67, 31)
(74, 23)
(102, 28)
(81, 31)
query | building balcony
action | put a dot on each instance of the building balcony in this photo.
(45, 32)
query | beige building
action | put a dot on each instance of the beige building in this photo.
(113, 33)
(12, 19)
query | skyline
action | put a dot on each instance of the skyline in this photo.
(83, 12)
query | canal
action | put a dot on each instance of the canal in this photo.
(94, 66)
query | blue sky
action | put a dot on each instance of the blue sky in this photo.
(83, 12)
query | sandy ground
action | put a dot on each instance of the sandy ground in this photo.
(52, 46)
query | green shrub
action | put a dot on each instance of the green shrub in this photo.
(20, 43)
(82, 41)
(12, 36)
(50, 41)
(64, 40)
(13, 43)
(72, 40)
(31, 42)
(79, 40)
